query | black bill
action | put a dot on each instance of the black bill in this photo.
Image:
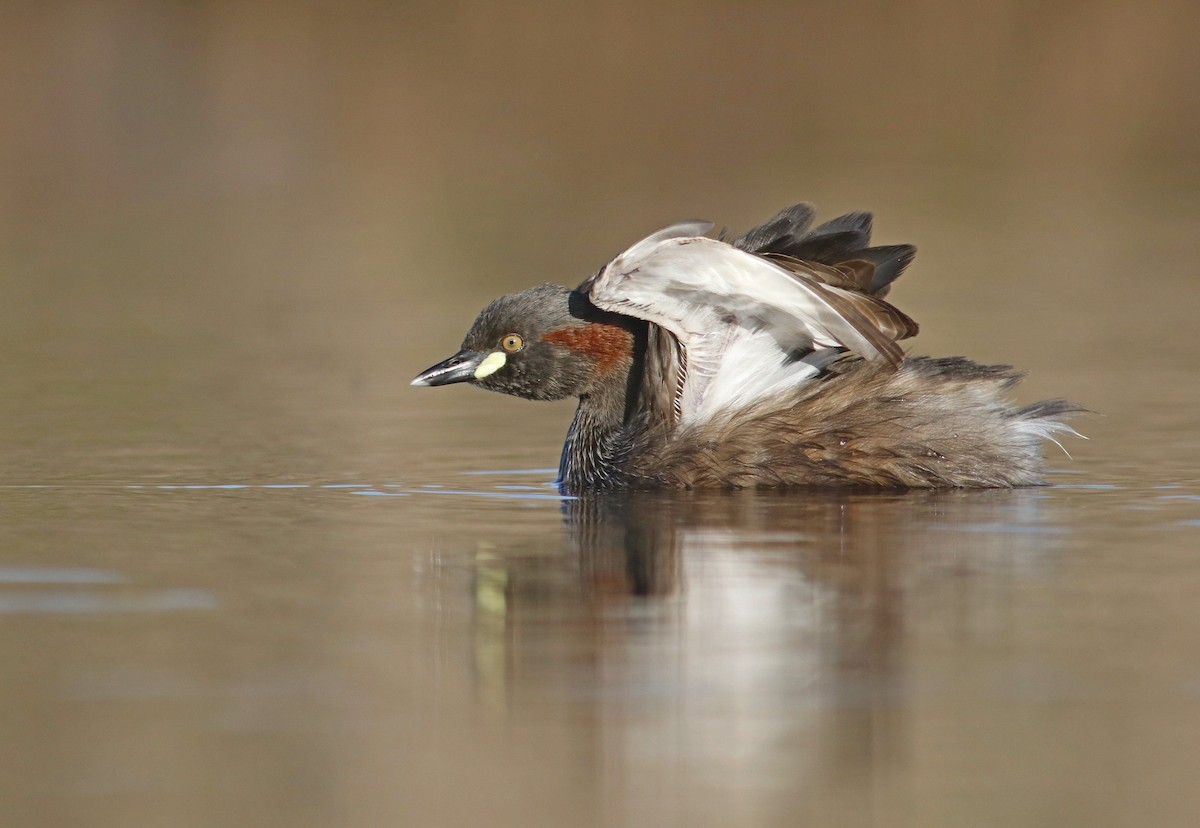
(459, 368)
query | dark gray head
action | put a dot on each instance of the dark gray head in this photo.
(545, 343)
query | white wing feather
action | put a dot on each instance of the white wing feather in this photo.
(739, 317)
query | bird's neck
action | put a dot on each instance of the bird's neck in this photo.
(597, 446)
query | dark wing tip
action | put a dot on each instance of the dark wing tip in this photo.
(780, 231)
(839, 240)
(890, 261)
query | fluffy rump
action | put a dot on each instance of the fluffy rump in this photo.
(934, 423)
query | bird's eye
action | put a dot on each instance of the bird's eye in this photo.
(512, 343)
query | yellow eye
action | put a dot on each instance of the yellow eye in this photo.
(512, 343)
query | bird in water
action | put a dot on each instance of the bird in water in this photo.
(767, 360)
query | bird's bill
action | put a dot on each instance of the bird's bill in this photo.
(462, 367)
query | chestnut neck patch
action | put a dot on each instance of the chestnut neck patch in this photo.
(608, 344)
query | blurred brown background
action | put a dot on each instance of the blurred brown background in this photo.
(210, 159)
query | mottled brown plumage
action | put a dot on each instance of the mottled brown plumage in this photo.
(934, 423)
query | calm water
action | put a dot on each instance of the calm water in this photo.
(287, 589)
(248, 576)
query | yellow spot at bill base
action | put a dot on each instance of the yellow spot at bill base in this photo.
(491, 364)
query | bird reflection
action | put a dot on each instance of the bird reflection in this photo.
(752, 635)
(825, 561)
(828, 574)
(627, 543)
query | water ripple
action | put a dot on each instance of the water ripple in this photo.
(72, 602)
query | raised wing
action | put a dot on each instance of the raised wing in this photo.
(849, 285)
(789, 234)
(748, 324)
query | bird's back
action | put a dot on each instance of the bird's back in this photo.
(934, 423)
